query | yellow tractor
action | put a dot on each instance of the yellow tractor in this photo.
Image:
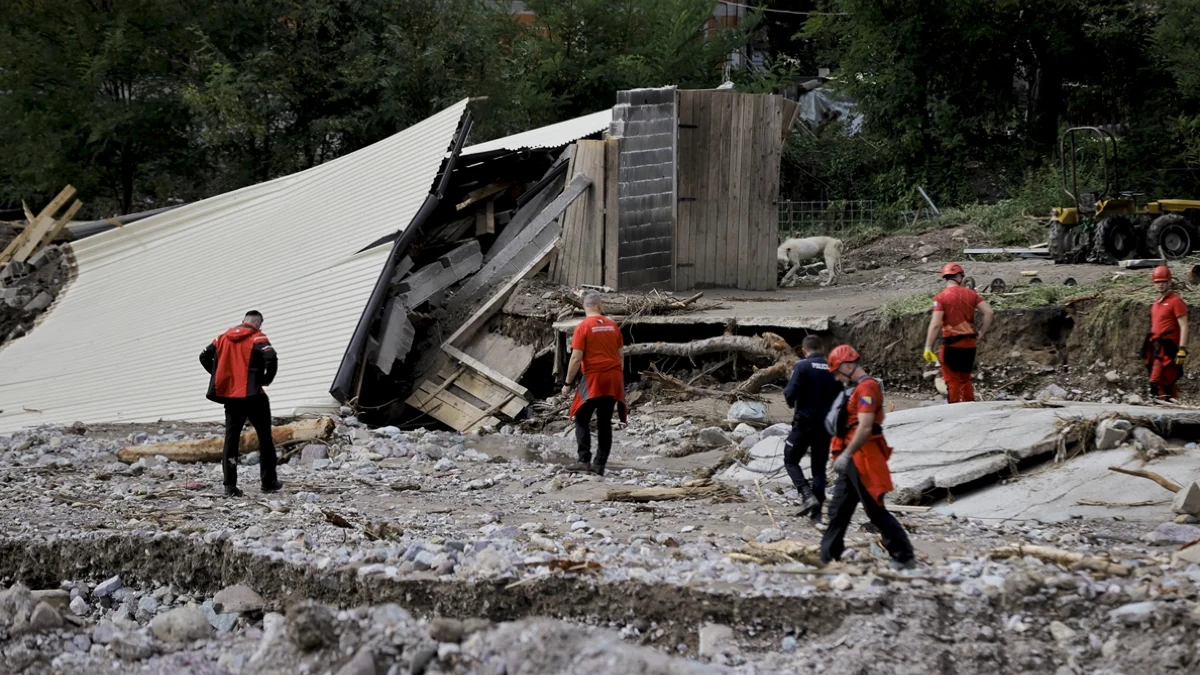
(1104, 226)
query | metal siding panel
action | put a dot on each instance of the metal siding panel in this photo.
(121, 344)
(552, 136)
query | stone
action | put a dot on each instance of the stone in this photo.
(79, 607)
(104, 632)
(313, 452)
(443, 629)
(939, 385)
(743, 430)
(363, 663)
(1112, 376)
(106, 587)
(1061, 632)
(421, 660)
(769, 535)
(1020, 583)
(444, 464)
(238, 599)
(147, 607)
(841, 582)
(1134, 613)
(254, 532)
(309, 625)
(715, 639)
(750, 411)
(713, 437)
(1052, 391)
(273, 632)
(780, 429)
(131, 645)
(1187, 500)
(788, 644)
(1172, 533)
(55, 597)
(1108, 436)
(1186, 556)
(1150, 441)
(39, 302)
(926, 251)
(252, 458)
(183, 624)
(44, 618)
(749, 533)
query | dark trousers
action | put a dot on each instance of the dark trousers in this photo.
(848, 491)
(603, 407)
(256, 409)
(807, 437)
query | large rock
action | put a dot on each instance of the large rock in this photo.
(238, 599)
(131, 645)
(310, 625)
(1187, 500)
(1109, 435)
(183, 624)
(713, 437)
(313, 452)
(715, 639)
(16, 604)
(363, 663)
(107, 587)
(1152, 443)
(44, 618)
(1173, 533)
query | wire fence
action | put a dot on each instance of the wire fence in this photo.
(830, 218)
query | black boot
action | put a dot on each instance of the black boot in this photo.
(232, 491)
(816, 512)
(597, 468)
(809, 501)
(273, 486)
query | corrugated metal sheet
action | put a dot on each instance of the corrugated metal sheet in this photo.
(121, 344)
(553, 136)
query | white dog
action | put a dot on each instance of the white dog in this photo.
(793, 252)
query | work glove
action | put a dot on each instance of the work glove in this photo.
(842, 463)
(929, 356)
(1181, 356)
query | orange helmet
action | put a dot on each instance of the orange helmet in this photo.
(951, 269)
(1161, 273)
(841, 354)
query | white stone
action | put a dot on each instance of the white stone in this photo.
(1134, 613)
(841, 582)
(1152, 442)
(184, 624)
(1109, 436)
(1187, 500)
(1112, 376)
(238, 599)
(107, 586)
(715, 639)
(79, 607)
(743, 430)
(1061, 631)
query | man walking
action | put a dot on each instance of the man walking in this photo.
(241, 362)
(596, 349)
(954, 315)
(1165, 349)
(810, 393)
(861, 461)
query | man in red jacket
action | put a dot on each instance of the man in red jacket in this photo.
(954, 316)
(596, 349)
(1165, 351)
(241, 362)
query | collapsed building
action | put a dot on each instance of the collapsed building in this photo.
(382, 273)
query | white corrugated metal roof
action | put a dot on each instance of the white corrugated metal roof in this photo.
(122, 342)
(553, 136)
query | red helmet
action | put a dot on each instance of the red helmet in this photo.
(842, 354)
(1161, 273)
(951, 269)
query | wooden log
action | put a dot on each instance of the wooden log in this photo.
(768, 345)
(692, 489)
(1142, 473)
(1067, 558)
(210, 449)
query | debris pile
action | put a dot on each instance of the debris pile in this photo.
(33, 271)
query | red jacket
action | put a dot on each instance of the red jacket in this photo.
(241, 362)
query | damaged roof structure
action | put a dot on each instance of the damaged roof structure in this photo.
(381, 274)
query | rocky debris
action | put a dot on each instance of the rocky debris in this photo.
(1111, 432)
(79, 606)
(309, 625)
(237, 599)
(183, 624)
(1150, 443)
(313, 452)
(1187, 500)
(713, 437)
(107, 587)
(716, 639)
(131, 645)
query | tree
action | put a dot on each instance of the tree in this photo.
(91, 97)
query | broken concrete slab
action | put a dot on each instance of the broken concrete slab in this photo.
(1111, 433)
(1083, 488)
(40, 302)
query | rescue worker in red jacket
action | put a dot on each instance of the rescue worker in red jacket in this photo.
(954, 315)
(596, 350)
(861, 456)
(1165, 349)
(241, 362)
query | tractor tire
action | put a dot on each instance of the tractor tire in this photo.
(1116, 236)
(1069, 244)
(1172, 236)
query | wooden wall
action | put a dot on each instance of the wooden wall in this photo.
(727, 227)
(581, 257)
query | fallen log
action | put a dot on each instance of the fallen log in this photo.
(1067, 558)
(1142, 473)
(210, 449)
(768, 345)
(703, 392)
(692, 489)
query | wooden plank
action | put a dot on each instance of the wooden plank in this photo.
(731, 228)
(59, 225)
(685, 188)
(484, 415)
(770, 239)
(486, 370)
(506, 355)
(756, 131)
(485, 219)
(612, 210)
(498, 299)
(483, 193)
(447, 407)
(45, 214)
(705, 158)
(591, 211)
(500, 399)
(718, 188)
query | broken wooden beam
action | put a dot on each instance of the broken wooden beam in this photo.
(396, 338)
(27, 234)
(440, 274)
(211, 449)
(1069, 559)
(699, 488)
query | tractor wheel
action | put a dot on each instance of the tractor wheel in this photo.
(1069, 244)
(1115, 234)
(1172, 234)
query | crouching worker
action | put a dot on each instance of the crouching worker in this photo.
(861, 461)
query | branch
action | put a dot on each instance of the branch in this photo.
(1142, 473)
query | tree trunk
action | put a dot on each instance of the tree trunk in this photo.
(769, 346)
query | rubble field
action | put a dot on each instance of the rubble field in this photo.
(414, 551)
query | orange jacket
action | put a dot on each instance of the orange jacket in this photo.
(241, 362)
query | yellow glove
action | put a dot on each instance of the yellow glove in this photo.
(1181, 356)
(929, 356)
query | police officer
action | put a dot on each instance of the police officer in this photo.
(810, 392)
